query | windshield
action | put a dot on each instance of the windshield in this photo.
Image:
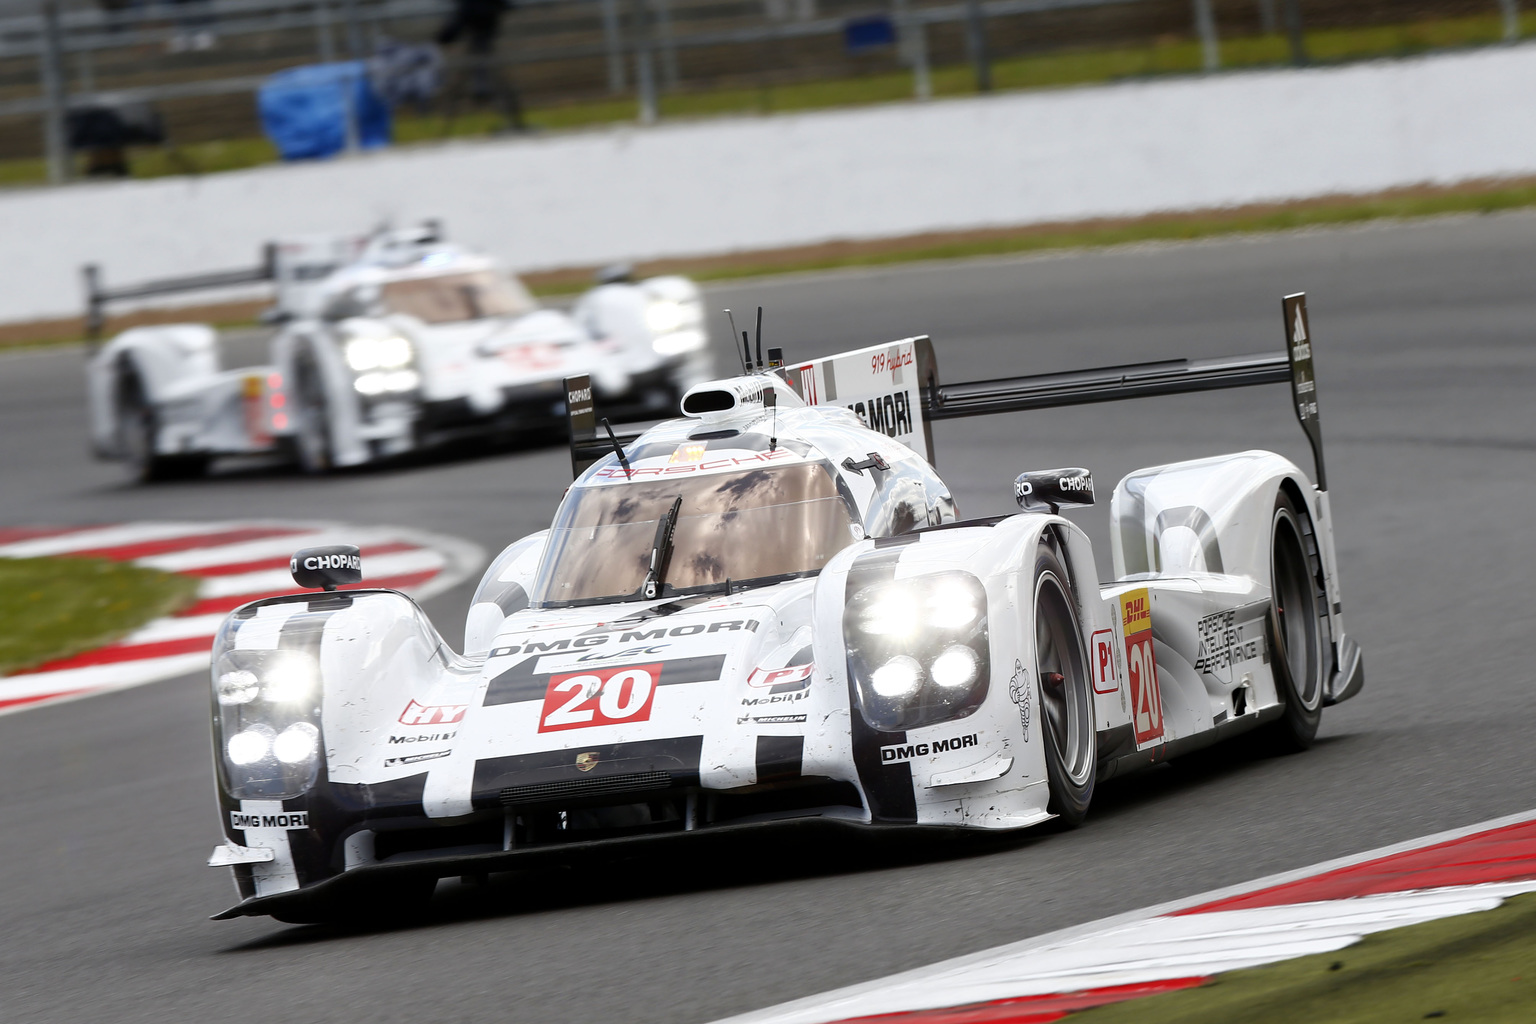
(762, 523)
(448, 298)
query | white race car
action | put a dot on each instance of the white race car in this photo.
(768, 612)
(411, 342)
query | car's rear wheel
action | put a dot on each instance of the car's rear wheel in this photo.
(312, 442)
(1066, 698)
(137, 430)
(1297, 624)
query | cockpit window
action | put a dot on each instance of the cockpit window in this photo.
(448, 298)
(757, 524)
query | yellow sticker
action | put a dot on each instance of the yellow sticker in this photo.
(1135, 612)
(688, 453)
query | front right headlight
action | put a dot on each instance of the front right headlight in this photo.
(917, 649)
(268, 714)
(373, 353)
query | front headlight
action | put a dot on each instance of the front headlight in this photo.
(268, 705)
(663, 316)
(918, 650)
(387, 353)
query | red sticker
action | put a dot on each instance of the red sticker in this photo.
(1102, 651)
(779, 676)
(610, 696)
(440, 714)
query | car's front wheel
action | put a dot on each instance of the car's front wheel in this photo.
(137, 430)
(1066, 695)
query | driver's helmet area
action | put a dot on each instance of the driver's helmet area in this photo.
(743, 517)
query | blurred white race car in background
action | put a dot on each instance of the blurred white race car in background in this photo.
(393, 343)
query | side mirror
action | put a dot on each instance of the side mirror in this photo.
(327, 568)
(1051, 490)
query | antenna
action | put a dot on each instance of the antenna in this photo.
(759, 337)
(747, 363)
(618, 449)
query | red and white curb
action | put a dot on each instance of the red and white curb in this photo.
(1185, 943)
(235, 562)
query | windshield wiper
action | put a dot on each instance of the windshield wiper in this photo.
(661, 551)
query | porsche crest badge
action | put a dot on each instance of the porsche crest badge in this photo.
(586, 761)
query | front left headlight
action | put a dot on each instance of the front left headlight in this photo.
(268, 714)
(917, 649)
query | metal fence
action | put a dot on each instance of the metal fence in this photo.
(211, 55)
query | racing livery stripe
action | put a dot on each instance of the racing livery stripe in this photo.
(888, 788)
(779, 757)
(521, 682)
(677, 758)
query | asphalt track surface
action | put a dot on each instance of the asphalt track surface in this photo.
(1427, 364)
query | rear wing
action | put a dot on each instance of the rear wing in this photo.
(894, 388)
(98, 295)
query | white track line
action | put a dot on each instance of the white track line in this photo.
(449, 559)
(106, 537)
(268, 581)
(996, 971)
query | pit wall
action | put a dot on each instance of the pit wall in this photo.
(707, 187)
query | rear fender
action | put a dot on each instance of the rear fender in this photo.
(165, 360)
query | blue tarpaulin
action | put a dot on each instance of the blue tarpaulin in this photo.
(304, 110)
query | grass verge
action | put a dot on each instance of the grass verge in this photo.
(1475, 967)
(54, 607)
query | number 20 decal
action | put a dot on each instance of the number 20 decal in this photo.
(609, 696)
(1141, 666)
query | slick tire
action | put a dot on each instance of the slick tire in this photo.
(137, 429)
(313, 446)
(1297, 627)
(1067, 723)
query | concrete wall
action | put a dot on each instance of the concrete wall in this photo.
(715, 186)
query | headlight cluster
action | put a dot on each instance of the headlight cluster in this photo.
(917, 649)
(387, 353)
(676, 327)
(268, 715)
(382, 365)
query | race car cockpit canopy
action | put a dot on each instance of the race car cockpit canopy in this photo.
(694, 533)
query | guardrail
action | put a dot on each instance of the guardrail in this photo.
(630, 37)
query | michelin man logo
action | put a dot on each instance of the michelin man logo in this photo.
(1018, 692)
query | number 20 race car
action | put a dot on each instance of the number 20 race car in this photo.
(767, 612)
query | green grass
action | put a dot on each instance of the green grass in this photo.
(1055, 70)
(54, 607)
(1475, 967)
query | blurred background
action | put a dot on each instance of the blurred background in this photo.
(148, 87)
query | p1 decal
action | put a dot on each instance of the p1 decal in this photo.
(610, 696)
(1101, 649)
(1141, 667)
(782, 676)
(441, 714)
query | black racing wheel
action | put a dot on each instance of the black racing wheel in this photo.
(1066, 695)
(1297, 625)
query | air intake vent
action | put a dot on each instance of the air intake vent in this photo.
(544, 792)
(708, 401)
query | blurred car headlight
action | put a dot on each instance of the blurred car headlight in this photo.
(917, 649)
(678, 342)
(267, 714)
(385, 383)
(387, 353)
(664, 316)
